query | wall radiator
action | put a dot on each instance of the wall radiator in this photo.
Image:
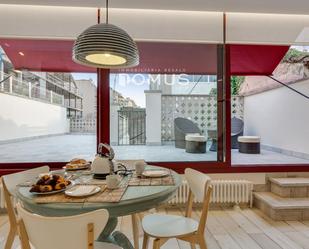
(224, 191)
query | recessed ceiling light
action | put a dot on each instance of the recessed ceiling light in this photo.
(21, 53)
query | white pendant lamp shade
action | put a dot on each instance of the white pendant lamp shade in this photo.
(105, 46)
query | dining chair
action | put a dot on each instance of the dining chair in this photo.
(9, 183)
(78, 231)
(164, 227)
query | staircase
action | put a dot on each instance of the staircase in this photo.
(288, 199)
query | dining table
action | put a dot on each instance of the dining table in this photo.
(135, 199)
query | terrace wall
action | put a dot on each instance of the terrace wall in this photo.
(22, 118)
(280, 117)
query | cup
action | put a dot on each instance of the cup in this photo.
(139, 167)
(112, 181)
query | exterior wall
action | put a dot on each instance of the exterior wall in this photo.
(88, 91)
(280, 117)
(23, 118)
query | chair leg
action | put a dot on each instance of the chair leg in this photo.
(156, 244)
(202, 242)
(145, 241)
(192, 246)
(135, 230)
(10, 238)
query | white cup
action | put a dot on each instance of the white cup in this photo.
(139, 167)
(112, 181)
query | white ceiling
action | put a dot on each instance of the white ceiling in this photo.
(252, 6)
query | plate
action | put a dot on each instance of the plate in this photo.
(82, 190)
(155, 173)
(55, 191)
(77, 167)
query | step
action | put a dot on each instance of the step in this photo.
(279, 208)
(290, 187)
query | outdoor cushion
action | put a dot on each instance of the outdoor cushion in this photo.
(249, 139)
(195, 138)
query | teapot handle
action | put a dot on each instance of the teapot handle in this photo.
(111, 154)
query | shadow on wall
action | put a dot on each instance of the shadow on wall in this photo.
(10, 130)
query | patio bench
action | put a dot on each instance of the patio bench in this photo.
(249, 144)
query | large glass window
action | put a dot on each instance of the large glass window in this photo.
(45, 116)
(164, 117)
(272, 114)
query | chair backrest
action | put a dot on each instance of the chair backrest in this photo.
(78, 232)
(237, 125)
(201, 189)
(12, 180)
(186, 125)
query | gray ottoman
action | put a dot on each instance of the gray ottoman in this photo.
(195, 143)
(249, 144)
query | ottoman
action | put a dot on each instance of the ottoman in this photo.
(195, 143)
(249, 144)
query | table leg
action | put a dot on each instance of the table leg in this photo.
(135, 230)
(116, 237)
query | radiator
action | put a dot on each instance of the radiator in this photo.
(224, 191)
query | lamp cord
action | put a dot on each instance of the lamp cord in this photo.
(106, 7)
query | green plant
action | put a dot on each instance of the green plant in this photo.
(236, 82)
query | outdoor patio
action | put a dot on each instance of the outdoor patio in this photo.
(66, 147)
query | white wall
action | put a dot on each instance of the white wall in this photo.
(22, 118)
(280, 116)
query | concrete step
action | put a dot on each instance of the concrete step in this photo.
(279, 208)
(290, 187)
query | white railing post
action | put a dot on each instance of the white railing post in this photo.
(29, 90)
(11, 84)
(51, 96)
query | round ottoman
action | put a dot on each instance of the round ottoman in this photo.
(195, 143)
(249, 144)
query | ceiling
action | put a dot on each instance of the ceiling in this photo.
(252, 6)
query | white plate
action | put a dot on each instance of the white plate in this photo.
(55, 191)
(77, 167)
(156, 173)
(82, 190)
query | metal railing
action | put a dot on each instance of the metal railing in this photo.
(131, 126)
(14, 86)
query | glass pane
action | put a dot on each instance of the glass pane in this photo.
(46, 116)
(164, 117)
(269, 119)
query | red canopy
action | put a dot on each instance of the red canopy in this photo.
(155, 57)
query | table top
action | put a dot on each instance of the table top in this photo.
(135, 199)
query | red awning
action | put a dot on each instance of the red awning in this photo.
(155, 57)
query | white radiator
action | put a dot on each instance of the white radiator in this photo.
(224, 191)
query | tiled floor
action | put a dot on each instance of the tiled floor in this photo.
(66, 147)
(225, 229)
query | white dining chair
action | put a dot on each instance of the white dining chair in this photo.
(78, 231)
(164, 227)
(9, 183)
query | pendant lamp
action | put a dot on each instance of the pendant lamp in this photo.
(105, 45)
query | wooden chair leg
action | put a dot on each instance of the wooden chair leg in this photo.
(145, 241)
(10, 238)
(135, 230)
(202, 242)
(156, 244)
(192, 246)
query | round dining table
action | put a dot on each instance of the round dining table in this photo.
(136, 199)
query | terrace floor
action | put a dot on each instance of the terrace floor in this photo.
(66, 147)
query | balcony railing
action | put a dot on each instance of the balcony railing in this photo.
(14, 86)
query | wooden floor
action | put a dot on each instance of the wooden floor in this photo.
(226, 229)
